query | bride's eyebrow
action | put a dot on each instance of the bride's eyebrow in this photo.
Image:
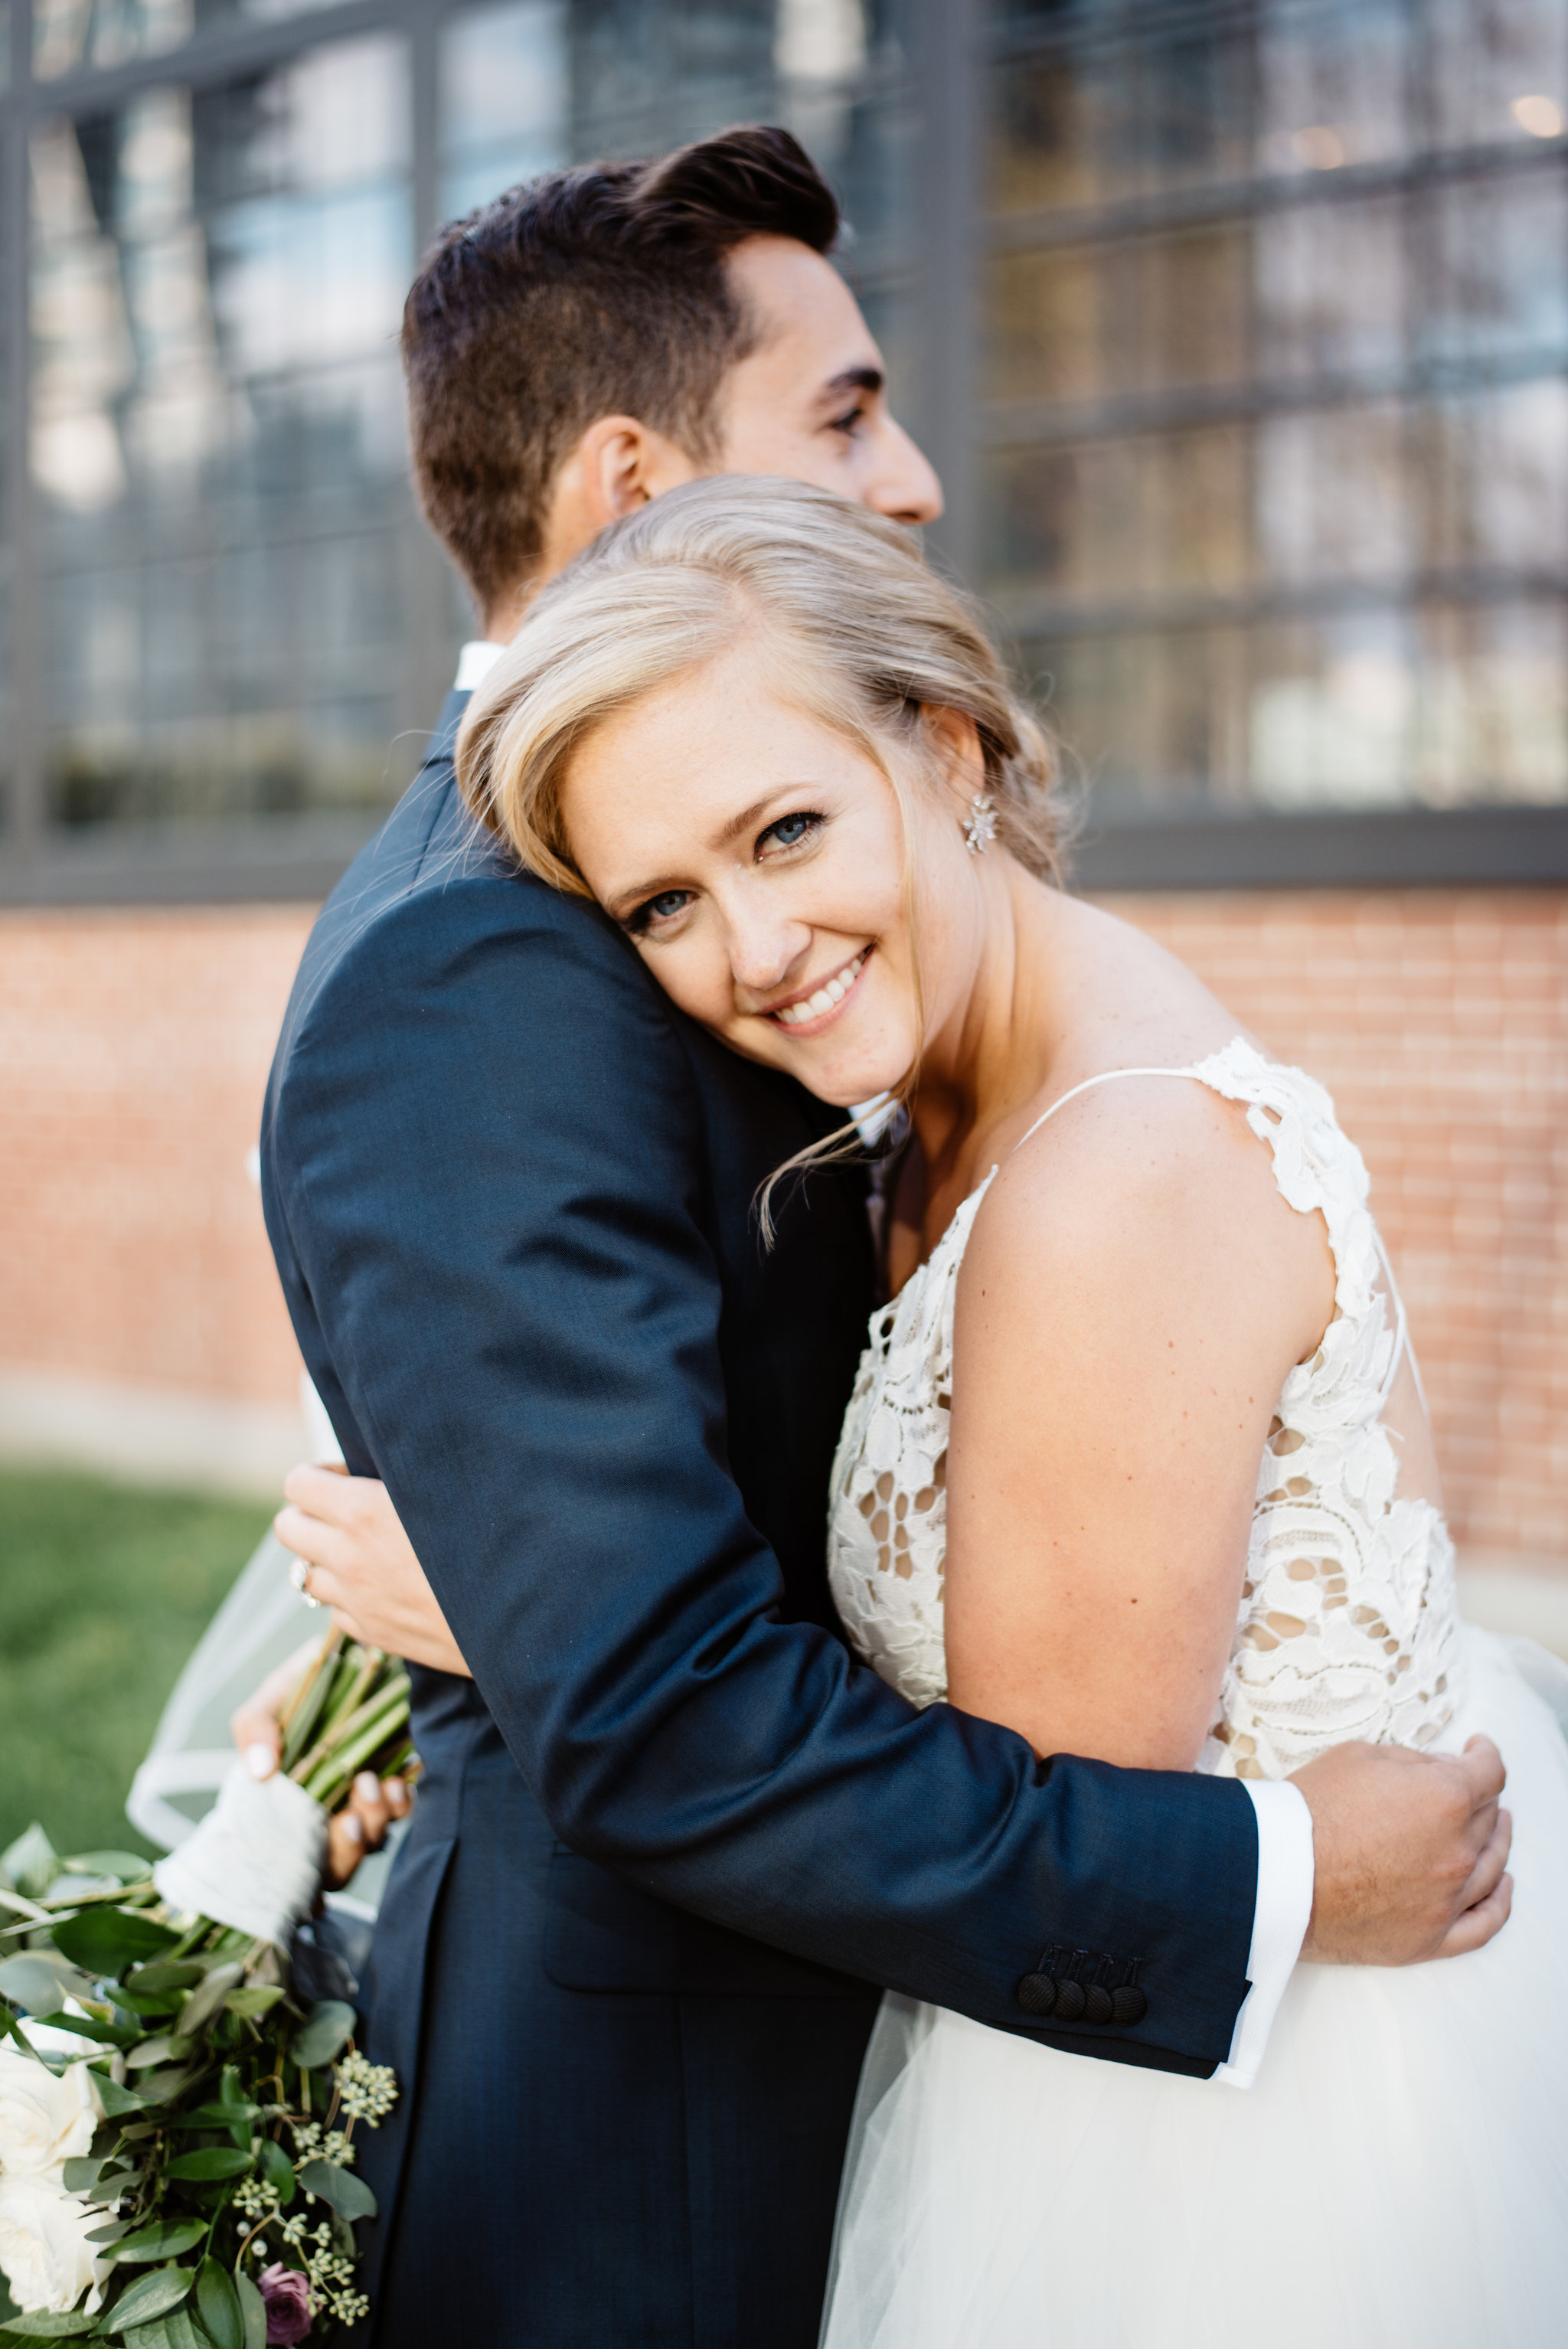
(729, 832)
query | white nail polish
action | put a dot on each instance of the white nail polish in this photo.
(260, 1760)
(353, 1828)
(368, 1786)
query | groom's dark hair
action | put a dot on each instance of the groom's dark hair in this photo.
(599, 291)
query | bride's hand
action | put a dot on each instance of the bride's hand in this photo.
(362, 1564)
(361, 1824)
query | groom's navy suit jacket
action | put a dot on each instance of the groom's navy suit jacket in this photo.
(671, 1832)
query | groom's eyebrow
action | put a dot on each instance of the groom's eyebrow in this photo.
(856, 378)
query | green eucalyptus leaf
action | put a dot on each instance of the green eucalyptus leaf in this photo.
(219, 2304)
(31, 1981)
(118, 2100)
(211, 2117)
(163, 2087)
(113, 2231)
(278, 2171)
(207, 1998)
(166, 1974)
(81, 2173)
(31, 1863)
(87, 2027)
(105, 1939)
(151, 2004)
(253, 2309)
(165, 2239)
(11, 2029)
(326, 2030)
(209, 2162)
(42, 2327)
(340, 2188)
(253, 2000)
(181, 2330)
(129, 1866)
(170, 2048)
(148, 2297)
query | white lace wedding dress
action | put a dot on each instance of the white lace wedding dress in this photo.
(1398, 2177)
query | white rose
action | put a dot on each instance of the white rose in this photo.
(43, 2119)
(44, 2250)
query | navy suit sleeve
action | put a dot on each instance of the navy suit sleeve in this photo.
(483, 1151)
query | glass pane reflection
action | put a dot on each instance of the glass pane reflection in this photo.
(505, 100)
(217, 439)
(1276, 491)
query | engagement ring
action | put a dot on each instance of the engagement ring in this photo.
(299, 1575)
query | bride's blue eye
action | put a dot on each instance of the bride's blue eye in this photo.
(662, 909)
(790, 830)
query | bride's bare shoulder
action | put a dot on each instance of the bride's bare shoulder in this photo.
(1151, 1185)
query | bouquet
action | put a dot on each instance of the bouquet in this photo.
(177, 2154)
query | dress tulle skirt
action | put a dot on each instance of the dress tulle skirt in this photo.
(1397, 2178)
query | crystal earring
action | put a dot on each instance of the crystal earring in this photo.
(980, 830)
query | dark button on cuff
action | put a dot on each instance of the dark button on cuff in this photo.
(1128, 2006)
(1038, 1995)
(1071, 2000)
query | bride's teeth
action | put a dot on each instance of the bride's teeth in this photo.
(831, 992)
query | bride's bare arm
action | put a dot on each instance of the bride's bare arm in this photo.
(1133, 1294)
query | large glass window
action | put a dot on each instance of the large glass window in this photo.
(217, 447)
(233, 630)
(1240, 332)
(1273, 398)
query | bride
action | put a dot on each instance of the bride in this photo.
(1138, 1461)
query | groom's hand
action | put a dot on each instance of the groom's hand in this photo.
(1409, 1853)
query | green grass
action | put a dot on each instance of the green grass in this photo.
(104, 1591)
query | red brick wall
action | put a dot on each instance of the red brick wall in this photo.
(1439, 1020)
(134, 1048)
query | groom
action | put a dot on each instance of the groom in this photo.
(671, 1837)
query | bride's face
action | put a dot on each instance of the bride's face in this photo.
(756, 858)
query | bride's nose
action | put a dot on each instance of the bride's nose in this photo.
(766, 945)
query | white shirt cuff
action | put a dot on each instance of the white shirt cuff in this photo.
(1280, 1920)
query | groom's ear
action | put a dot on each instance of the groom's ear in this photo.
(618, 464)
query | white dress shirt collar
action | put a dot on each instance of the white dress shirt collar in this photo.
(475, 663)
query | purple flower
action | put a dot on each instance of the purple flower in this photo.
(287, 2295)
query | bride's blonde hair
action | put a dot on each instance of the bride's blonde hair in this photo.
(856, 626)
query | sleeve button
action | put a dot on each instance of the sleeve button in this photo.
(1128, 2006)
(1038, 1995)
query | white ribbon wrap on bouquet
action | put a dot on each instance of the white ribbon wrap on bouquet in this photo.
(255, 1860)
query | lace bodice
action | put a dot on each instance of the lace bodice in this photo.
(1348, 1625)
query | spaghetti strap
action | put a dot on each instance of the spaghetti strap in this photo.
(1104, 1078)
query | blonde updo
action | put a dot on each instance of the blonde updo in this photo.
(856, 626)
